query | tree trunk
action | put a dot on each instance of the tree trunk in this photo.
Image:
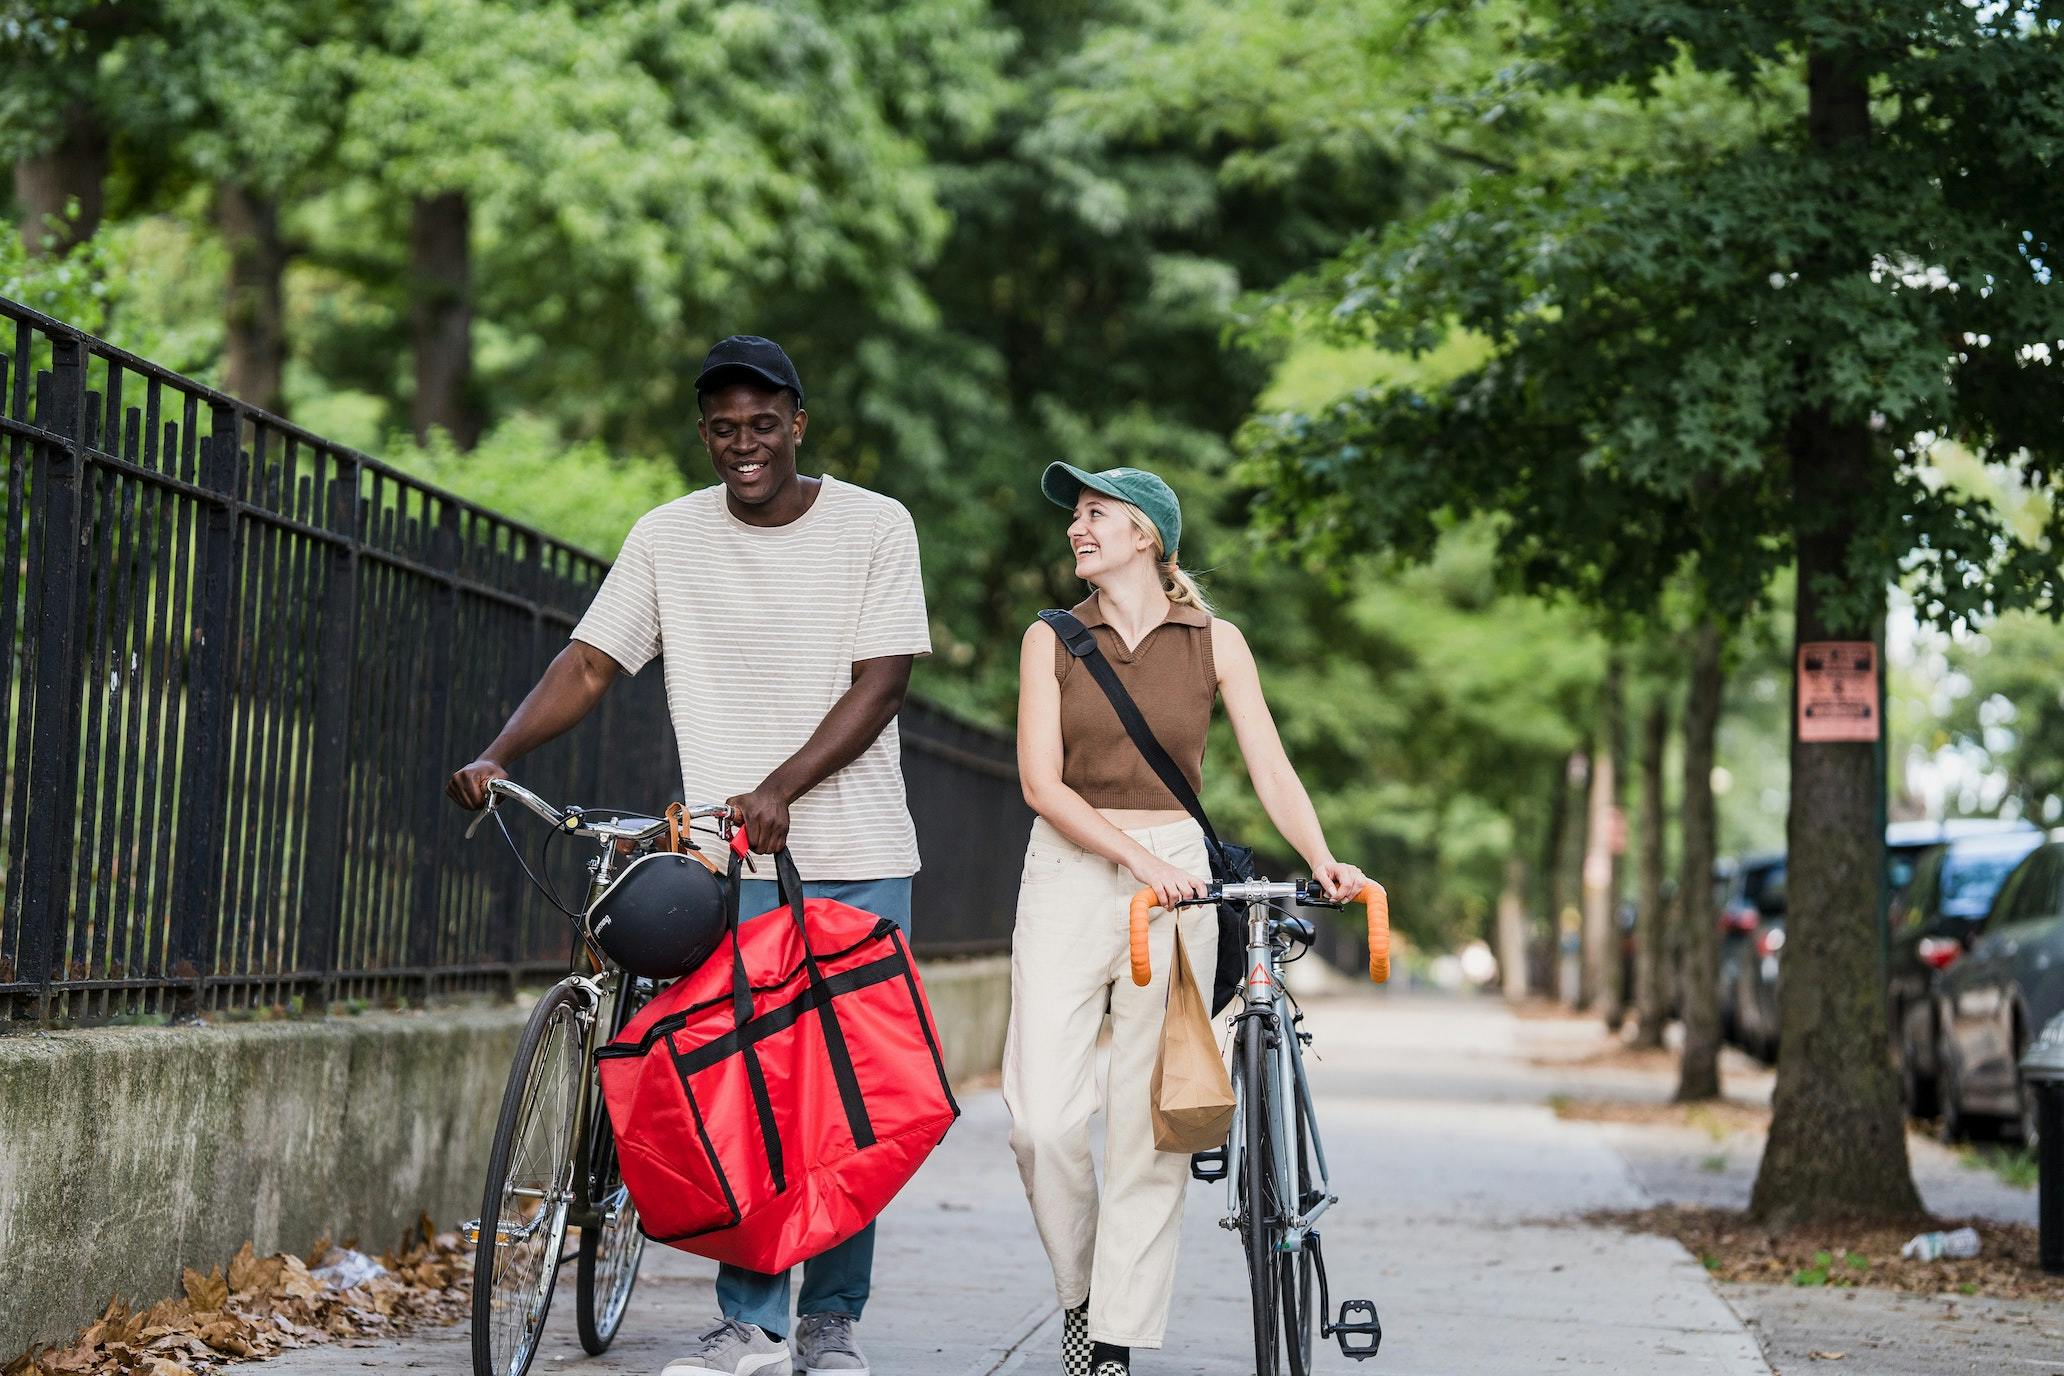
(1649, 925)
(441, 317)
(1548, 931)
(1837, 1146)
(1601, 928)
(1512, 930)
(1698, 1071)
(1569, 919)
(254, 318)
(47, 184)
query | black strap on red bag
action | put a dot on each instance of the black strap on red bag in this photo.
(1229, 863)
(819, 994)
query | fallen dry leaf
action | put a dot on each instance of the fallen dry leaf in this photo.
(243, 1269)
(206, 1293)
(168, 1314)
(1734, 1249)
(1820, 1356)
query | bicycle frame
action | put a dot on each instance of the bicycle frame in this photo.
(601, 1009)
(1265, 1004)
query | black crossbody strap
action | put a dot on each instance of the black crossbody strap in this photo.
(1082, 644)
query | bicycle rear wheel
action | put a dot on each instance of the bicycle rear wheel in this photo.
(609, 1253)
(529, 1187)
(1258, 1227)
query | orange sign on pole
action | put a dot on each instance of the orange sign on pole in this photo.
(1838, 691)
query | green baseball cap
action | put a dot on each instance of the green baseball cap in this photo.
(1063, 483)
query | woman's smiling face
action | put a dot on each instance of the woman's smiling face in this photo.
(1104, 536)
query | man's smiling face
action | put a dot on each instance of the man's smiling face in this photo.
(751, 431)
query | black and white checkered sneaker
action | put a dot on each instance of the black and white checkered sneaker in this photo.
(1075, 1344)
(1109, 1359)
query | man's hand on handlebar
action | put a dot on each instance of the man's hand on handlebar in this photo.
(468, 786)
(1170, 883)
(1341, 882)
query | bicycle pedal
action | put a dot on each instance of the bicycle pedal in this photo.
(1344, 1330)
(1208, 1165)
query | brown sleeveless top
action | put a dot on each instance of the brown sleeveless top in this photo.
(1173, 678)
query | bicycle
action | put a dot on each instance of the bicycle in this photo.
(552, 1121)
(1273, 1159)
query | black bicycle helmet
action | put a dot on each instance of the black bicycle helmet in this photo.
(661, 918)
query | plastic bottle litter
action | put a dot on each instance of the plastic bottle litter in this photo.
(344, 1269)
(1929, 1246)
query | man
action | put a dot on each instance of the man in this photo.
(788, 611)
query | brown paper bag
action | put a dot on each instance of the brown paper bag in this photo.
(1192, 1094)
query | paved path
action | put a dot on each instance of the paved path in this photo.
(1446, 1160)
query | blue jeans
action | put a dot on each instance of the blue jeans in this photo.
(837, 1281)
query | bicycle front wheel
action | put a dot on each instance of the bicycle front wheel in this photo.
(1258, 1213)
(1296, 1268)
(529, 1188)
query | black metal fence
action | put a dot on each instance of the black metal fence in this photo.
(241, 659)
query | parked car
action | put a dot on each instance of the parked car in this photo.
(1755, 985)
(1754, 891)
(1933, 922)
(1906, 843)
(1750, 1001)
(1994, 998)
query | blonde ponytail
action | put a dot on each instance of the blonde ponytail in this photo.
(1181, 589)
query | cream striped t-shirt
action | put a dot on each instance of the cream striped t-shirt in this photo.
(759, 628)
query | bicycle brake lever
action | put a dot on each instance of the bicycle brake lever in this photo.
(481, 817)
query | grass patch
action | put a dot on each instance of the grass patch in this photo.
(2014, 1165)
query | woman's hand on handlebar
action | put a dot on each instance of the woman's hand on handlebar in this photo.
(468, 787)
(1341, 882)
(1171, 883)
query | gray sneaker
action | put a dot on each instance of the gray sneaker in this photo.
(825, 1346)
(734, 1349)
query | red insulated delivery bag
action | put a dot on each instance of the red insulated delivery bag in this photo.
(768, 1105)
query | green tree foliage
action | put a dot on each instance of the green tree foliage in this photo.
(1727, 352)
(1434, 713)
(2011, 710)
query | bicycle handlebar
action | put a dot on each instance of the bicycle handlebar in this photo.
(576, 822)
(1374, 900)
(509, 788)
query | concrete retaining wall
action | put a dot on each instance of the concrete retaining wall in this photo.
(129, 1153)
(971, 1004)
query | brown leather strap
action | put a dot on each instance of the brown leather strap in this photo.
(677, 839)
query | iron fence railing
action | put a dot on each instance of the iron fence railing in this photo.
(241, 659)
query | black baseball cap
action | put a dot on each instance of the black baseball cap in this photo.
(747, 357)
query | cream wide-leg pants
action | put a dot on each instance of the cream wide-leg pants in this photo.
(1068, 953)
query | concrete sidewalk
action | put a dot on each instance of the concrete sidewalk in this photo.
(1445, 1159)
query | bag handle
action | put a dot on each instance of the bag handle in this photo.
(843, 1076)
(790, 880)
(1081, 643)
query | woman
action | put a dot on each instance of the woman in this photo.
(1108, 827)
